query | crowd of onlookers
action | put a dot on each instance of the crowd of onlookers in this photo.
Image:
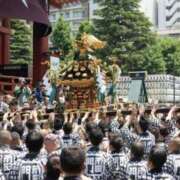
(82, 146)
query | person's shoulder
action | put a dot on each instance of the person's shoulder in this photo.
(97, 152)
(18, 153)
(85, 178)
(152, 176)
(5, 104)
(26, 160)
(74, 135)
(142, 164)
(169, 177)
(165, 176)
(7, 151)
(150, 134)
(106, 156)
(137, 163)
(121, 154)
(171, 157)
(82, 178)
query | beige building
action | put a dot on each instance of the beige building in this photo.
(77, 12)
(73, 13)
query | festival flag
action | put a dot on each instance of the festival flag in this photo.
(31, 10)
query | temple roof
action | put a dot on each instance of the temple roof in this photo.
(79, 73)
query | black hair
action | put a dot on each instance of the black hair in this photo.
(104, 126)
(144, 124)
(112, 135)
(53, 168)
(67, 128)
(137, 150)
(158, 157)
(178, 120)
(19, 129)
(34, 142)
(96, 136)
(163, 131)
(13, 103)
(30, 125)
(90, 126)
(72, 160)
(58, 124)
(117, 144)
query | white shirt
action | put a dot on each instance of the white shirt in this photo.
(3, 107)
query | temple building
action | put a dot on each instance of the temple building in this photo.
(4, 41)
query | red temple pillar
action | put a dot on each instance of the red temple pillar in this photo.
(4, 41)
(40, 48)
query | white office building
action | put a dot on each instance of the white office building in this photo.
(74, 13)
(150, 9)
(93, 7)
(169, 17)
(77, 12)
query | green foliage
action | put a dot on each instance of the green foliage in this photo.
(61, 37)
(85, 27)
(127, 33)
(163, 56)
(170, 49)
(154, 60)
(21, 42)
(20, 61)
(70, 56)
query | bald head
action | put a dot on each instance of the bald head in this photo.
(174, 145)
(5, 137)
(16, 140)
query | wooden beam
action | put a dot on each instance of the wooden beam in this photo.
(40, 47)
(4, 41)
(4, 30)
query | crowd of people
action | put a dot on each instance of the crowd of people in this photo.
(91, 145)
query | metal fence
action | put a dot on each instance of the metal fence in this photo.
(165, 88)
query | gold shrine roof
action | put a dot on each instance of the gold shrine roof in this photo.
(79, 74)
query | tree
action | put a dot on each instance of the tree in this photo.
(170, 49)
(163, 56)
(21, 42)
(153, 59)
(61, 37)
(126, 31)
(85, 27)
